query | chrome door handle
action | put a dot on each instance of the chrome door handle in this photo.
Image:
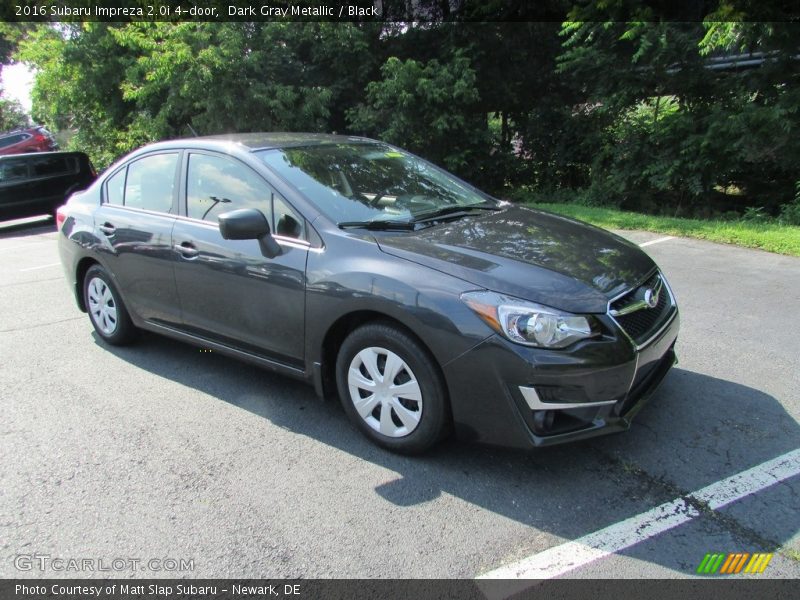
(186, 250)
(107, 228)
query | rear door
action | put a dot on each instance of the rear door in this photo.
(134, 224)
(229, 292)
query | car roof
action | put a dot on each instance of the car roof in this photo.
(40, 154)
(263, 141)
(21, 130)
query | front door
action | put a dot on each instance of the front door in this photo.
(229, 292)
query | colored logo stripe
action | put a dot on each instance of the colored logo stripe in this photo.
(734, 562)
(710, 563)
(758, 563)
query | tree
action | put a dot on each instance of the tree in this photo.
(673, 130)
(12, 114)
(80, 72)
(427, 108)
(122, 85)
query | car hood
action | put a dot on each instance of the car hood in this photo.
(529, 254)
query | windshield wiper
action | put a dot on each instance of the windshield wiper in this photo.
(433, 215)
(377, 225)
(451, 211)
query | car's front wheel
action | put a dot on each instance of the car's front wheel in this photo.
(106, 310)
(391, 389)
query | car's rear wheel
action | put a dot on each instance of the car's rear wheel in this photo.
(391, 389)
(106, 310)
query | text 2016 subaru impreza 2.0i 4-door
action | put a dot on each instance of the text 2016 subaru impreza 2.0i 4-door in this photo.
(426, 305)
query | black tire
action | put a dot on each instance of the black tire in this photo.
(385, 344)
(106, 309)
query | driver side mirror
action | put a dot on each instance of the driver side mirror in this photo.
(249, 224)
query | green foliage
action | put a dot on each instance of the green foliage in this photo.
(122, 85)
(613, 102)
(428, 108)
(221, 77)
(670, 131)
(790, 212)
(78, 87)
(767, 235)
(12, 114)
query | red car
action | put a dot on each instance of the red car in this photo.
(33, 139)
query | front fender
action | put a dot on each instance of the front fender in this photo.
(352, 275)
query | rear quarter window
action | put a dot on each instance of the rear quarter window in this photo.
(115, 187)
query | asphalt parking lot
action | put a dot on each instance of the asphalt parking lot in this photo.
(161, 451)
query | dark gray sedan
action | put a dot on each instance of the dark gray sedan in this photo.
(425, 304)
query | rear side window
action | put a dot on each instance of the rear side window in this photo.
(217, 185)
(13, 139)
(150, 183)
(11, 170)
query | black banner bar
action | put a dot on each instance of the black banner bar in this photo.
(396, 589)
(390, 11)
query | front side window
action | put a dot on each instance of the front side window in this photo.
(369, 181)
(150, 182)
(217, 185)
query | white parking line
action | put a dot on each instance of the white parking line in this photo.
(28, 245)
(40, 267)
(614, 538)
(658, 241)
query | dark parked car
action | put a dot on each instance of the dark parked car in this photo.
(36, 184)
(427, 305)
(33, 139)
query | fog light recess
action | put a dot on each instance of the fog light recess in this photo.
(543, 420)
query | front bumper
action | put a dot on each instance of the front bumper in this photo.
(510, 395)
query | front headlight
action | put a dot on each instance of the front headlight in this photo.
(527, 323)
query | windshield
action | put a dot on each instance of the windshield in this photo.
(369, 182)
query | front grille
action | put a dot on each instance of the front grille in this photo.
(642, 323)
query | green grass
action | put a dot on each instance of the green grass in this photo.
(769, 236)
